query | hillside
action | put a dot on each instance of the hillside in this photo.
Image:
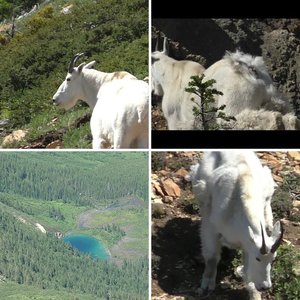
(45, 196)
(34, 63)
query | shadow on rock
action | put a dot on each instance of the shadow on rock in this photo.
(177, 264)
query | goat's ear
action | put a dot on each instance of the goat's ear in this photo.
(90, 64)
(276, 232)
(277, 235)
(80, 67)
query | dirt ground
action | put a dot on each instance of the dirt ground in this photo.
(177, 265)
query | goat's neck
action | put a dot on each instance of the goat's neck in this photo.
(92, 82)
(167, 79)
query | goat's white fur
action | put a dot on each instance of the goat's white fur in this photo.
(124, 109)
(245, 83)
(169, 79)
(123, 118)
(235, 192)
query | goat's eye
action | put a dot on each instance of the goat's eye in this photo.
(258, 259)
(68, 79)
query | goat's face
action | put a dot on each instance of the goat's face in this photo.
(259, 270)
(158, 68)
(70, 90)
(261, 255)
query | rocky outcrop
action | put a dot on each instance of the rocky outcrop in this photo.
(59, 234)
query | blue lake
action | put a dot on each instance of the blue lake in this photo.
(87, 244)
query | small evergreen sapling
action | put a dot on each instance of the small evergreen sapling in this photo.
(206, 111)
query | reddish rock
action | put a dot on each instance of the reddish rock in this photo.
(294, 155)
(158, 188)
(277, 178)
(163, 172)
(182, 172)
(170, 188)
(167, 199)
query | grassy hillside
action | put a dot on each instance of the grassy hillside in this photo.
(14, 291)
(34, 62)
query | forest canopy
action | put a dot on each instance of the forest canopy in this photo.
(74, 177)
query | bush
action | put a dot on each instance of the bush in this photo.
(286, 272)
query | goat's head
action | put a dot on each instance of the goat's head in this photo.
(261, 255)
(70, 91)
(158, 68)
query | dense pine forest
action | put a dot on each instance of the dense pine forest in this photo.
(74, 177)
(54, 189)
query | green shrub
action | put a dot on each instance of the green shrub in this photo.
(286, 273)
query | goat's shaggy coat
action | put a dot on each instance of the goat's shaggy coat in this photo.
(235, 192)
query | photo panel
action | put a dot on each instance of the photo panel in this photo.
(74, 225)
(224, 82)
(74, 74)
(216, 211)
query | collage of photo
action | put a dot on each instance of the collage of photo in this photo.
(145, 156)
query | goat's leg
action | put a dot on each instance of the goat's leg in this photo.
(120, 140)
(211, 250)
(97, 143)
(142, 142)
(254, 294)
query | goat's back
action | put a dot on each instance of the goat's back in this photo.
(122, 105)
(177, 104)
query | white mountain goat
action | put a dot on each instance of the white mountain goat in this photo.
(235, 191)
(245, 83)
(169, 79)
(119, 102)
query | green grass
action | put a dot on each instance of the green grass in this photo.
(132, 221)
(14, 291)
(40, 213)
(286, 273)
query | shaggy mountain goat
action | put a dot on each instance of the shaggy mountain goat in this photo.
(235, 191)
(169, 79)
(119, 100)
(245, 83)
